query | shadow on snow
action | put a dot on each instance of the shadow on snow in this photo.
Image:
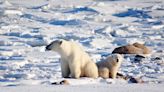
(82, 9)
(66, 22)
(134, 13)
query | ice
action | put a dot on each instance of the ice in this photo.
(6, 3)
(100, 43)
(12, 12)
(27, 26)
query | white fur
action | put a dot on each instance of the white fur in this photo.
(111, 64)
(75, 62)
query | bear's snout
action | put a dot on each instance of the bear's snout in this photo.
(48, 47)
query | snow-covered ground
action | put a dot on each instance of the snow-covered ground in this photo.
(87, 88)
(27, 26)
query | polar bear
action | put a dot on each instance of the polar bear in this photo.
(128, 49)
(75, 62)
(135, 48)
(145, 49)
(109, 67)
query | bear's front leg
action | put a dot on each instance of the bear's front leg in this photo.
(75, 70)
(65, 69)
(113, 72)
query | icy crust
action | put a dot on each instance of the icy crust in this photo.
(27, 26)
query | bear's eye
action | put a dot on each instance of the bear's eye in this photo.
(117, 60)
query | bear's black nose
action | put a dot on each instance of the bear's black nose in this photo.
(48, 47)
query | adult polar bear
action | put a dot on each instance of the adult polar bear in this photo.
(75, 62)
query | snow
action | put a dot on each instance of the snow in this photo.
(86, 88)
(27, 26)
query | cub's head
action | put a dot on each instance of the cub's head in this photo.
(115, 59)
(55, 45)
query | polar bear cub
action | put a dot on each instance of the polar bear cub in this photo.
(75, 62)
(109, 67)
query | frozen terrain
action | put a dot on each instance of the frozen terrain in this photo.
(27, 26)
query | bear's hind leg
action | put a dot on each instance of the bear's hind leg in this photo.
(91, 70)
(103, 72)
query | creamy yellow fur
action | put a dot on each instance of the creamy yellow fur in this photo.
(75, 62)
(109, 67)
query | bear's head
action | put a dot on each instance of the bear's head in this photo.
(55, 45)
(115, 59)
(63, 47)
